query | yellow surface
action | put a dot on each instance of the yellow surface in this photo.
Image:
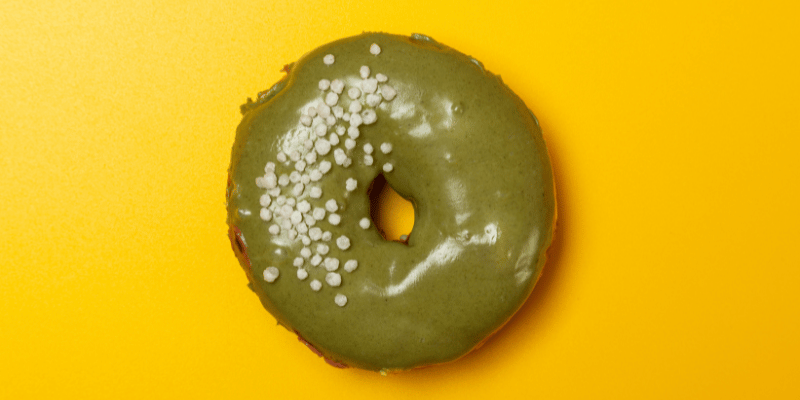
(673, 131)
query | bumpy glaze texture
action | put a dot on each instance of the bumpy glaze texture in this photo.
(467, 153)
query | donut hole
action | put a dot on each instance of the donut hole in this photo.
(391, 213)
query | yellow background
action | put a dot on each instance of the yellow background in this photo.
(673, 130)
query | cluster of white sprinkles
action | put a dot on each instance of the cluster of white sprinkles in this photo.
(293, 204)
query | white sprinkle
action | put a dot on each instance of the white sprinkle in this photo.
(271, 273)
(294, 155)
(308, 144)
(354, 107)
(334, 139)
(346, 117)
(364, 223)
(343, 242)
(331, 205)
(316, 192)
(283, 180)
(281, 157)
(349, 144)
(269, 168)
(291, 201)
(353, 93)
(364, 72)
(298, 189)
(369, 85)
(261, 182)
(333, 279)
(315, 260)
(368, 148)
(337, 86)
(315, 175)
(264, 200)
(340, 300)
(266, 214)
(347, 161)
(315, 234)
(303, 206)
(373, 100)
(324, 84)
(305, 239)
(355, 120)
(351, 183)
(286, 224)
(300, 165)
(274, 192)
(309, 220)
(331, 99)
(265, 182)
(340, 130)
(286, 211)
(350, 265)
(298, 262)
(331, 264)
(302, 274)
(305, 252)
(388, 92)
(325, 166)
(368, 160)
(323, 249)
(302, 228)
(327, 236)
(334, 219)
(281, 200)
(311, 157)
(381, 77)
(369, 117)
(328, 59)
(294, 177)
(292, 234)
(375, 49)
(274, 229)
(324, 110)
(322, 146)
(316, 285)
(388, 167)
(297, 217)
(319, 213)
(353, 132)
(339, 156)
(330, 120)
(386, 148)
(305, 120)
(311, 111)
(338, 111)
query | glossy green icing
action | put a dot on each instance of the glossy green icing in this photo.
(467, 153)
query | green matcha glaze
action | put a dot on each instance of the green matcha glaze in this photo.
(466, 152)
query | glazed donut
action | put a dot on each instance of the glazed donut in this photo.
(447, 135)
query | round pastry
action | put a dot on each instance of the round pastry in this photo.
(447, 135)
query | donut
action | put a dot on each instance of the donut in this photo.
(445, 134)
